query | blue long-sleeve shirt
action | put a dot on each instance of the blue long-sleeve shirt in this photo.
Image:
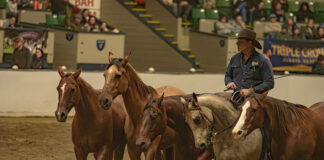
(256, 72)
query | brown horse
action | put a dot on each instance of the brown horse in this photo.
(210, 113)
(122, 79)
(164, 116)
(297, 131)
(94, 130)
(318, 105)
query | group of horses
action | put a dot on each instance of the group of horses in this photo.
(164, 123)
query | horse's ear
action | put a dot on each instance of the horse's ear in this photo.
(77, 73)
(185, 104)
(160, 100)
(125, 60)
(264, 94)
(110, 57)
(61, 71)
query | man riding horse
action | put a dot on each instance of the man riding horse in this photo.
(249, 72)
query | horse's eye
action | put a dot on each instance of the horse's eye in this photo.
(253, 110)
(197, 120)
(117, 76)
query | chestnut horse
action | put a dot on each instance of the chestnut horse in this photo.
(122, 79)
(163, 119)
(94, 130)
(297, 131)
(318, 105)
(210, 113)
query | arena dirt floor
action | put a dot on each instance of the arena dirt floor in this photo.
(36, 139)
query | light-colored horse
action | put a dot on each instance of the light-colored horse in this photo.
(207, 113)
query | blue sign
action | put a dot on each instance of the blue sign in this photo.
(294, 52)
(101, 44)
(69, 36)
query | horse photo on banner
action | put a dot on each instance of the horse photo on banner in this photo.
(294, 55)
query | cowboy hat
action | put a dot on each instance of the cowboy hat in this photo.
(250, 35)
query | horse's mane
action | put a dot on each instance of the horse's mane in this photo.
(286, 116)
(221, 108)
(143, 89)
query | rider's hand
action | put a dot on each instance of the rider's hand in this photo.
(246, 92)
(231, 85)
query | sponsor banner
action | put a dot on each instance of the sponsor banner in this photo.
(294, 55)
(94, 6)
(32, 39)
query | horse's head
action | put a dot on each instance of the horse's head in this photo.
(69, 93)
(116, 81)
(152, 124)
(199, 120)
(251, 118)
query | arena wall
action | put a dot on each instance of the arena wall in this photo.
(31, 93)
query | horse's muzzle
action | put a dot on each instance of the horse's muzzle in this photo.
(143, 144)
(240, 134)
(105, 103)
(61, 116)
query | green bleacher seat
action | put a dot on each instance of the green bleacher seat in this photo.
(227, 11)
(60, 19)
(319, 7)
(198, 13)
(267, 5)
(212, 14)
(289, 14)
(52, 20)
(319, 17)
(224, 3)
(311, 6)
(3, 3)
(293, 6)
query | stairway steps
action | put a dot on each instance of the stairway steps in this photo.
(192, 56)
(186, 24)
(175, 42)
(140, 13)
(129, 3)
(146, 17)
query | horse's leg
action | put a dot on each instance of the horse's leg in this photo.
(80, 153)
(207, 154)
(168, 154)
(104, 154)
(119, 152)
(133, 152)
(154, 152)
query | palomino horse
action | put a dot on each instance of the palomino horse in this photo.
(122, 79)
(208, 113)
(297, 131)
(93, 129)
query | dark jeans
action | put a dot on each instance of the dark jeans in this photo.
(184, 12)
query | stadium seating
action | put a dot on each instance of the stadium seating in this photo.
(293, 6)
(55, 20)
(224, 7)
(197, 13)
(319, 12)
(211, 14)
(3, 3)
(267, 7)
